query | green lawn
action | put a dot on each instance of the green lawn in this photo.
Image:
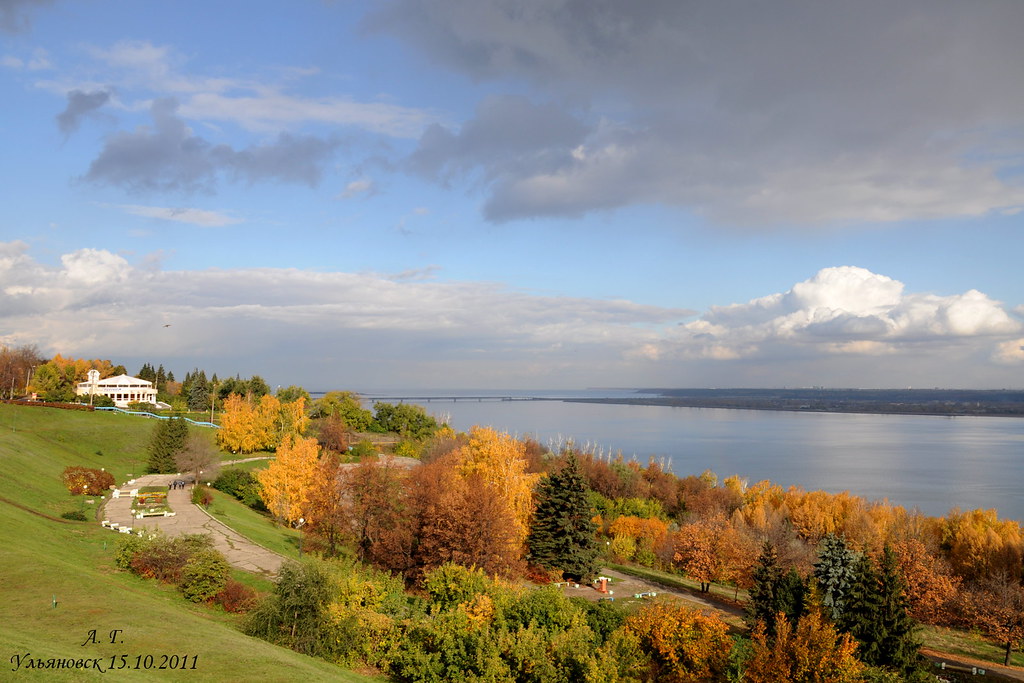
(44, 558)
(967, 644)
(256, 527)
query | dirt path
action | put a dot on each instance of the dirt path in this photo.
(192, 519)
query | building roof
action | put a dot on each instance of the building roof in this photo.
(120, 380)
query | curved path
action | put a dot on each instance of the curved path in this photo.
(192, 519)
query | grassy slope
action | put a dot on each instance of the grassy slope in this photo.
(43, 557)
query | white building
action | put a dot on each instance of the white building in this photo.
(122, 389)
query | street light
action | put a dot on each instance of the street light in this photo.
(302, 520)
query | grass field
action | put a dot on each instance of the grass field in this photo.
(44, 558)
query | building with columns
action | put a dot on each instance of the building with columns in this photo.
(122, 389)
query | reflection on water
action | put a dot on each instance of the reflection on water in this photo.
(931, 463)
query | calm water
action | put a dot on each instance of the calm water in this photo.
(931, 463)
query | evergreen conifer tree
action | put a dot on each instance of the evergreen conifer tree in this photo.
(834, 574)
(876, 615)
(775, 591)
(198, 395)
(167, 441)
(562, 533)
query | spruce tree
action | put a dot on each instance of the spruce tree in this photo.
(834, 574)
(167, 441)
(562, 533)
(775, 591)
(876, 615)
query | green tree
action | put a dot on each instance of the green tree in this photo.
(562, 532)
(406, 419)
(775, 591)
(167, 440)
(297, 614)
(198, 395)
(346, 406)
(292, 394)
(834, 574)
(258, 388)
(876, 615)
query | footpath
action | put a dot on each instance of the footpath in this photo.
(192, 519)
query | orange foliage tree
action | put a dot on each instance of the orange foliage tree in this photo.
(683, 644)
(713, 550)
(813, 653)
(286, 484)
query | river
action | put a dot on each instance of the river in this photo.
(929, 463)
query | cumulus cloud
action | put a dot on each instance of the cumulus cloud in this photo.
(843, 311)
(363, 186)
(169, 156)
(804, 113)
(80, 104)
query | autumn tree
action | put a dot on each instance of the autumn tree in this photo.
(812, 652)
(333, 435)
(996, 608)
(167, 440)
(378, 515)
(562, 533)
(286, 483)
(499, 461)
(931, 586)
(247, 427)
(683, 644)
(711, 550)
(327, 516)
(16, 364)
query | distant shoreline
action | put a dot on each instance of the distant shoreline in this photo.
(931, 402)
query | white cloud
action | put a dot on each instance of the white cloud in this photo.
(844, 326)
(363, 186)
(843, 310)
(200, 217)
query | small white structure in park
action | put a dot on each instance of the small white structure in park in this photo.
(122, 389)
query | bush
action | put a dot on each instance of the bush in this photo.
(127, 547)
(161, 558)
(236, 597)
(201, 495)
(233, 481)
(78, 480)
(363, 449)
(76, 515)
(204, 576)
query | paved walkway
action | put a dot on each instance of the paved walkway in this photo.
(192, 519)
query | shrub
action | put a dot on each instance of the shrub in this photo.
(236, 597)
(76, 515)
(78, 480)
(201, 495)
(363, 449)
(233, 481)
(204, 576)
(127, 547)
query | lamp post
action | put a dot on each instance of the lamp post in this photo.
(302, 520)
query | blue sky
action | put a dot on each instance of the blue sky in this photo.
(540, 194)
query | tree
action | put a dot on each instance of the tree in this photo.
(683, 644)
(876, 614)
(409, 420)
(286, 483)
(775, 591)
(257, 388)
(346, 406)
(246, 428)
(16, 364)
(198, 456)
(327, 510)
(834, 574)
(198, 395)
(333, 435)
(996, 608)
(297, 614)
(291, 394)
(813, 652)
(167, 440)
(562, 534)
(378, 515)
(711, 550)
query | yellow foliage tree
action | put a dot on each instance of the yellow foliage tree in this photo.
(683, 644)
(500, 463)
(285, 485)
(246, 428)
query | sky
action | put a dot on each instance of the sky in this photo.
(537, 194)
